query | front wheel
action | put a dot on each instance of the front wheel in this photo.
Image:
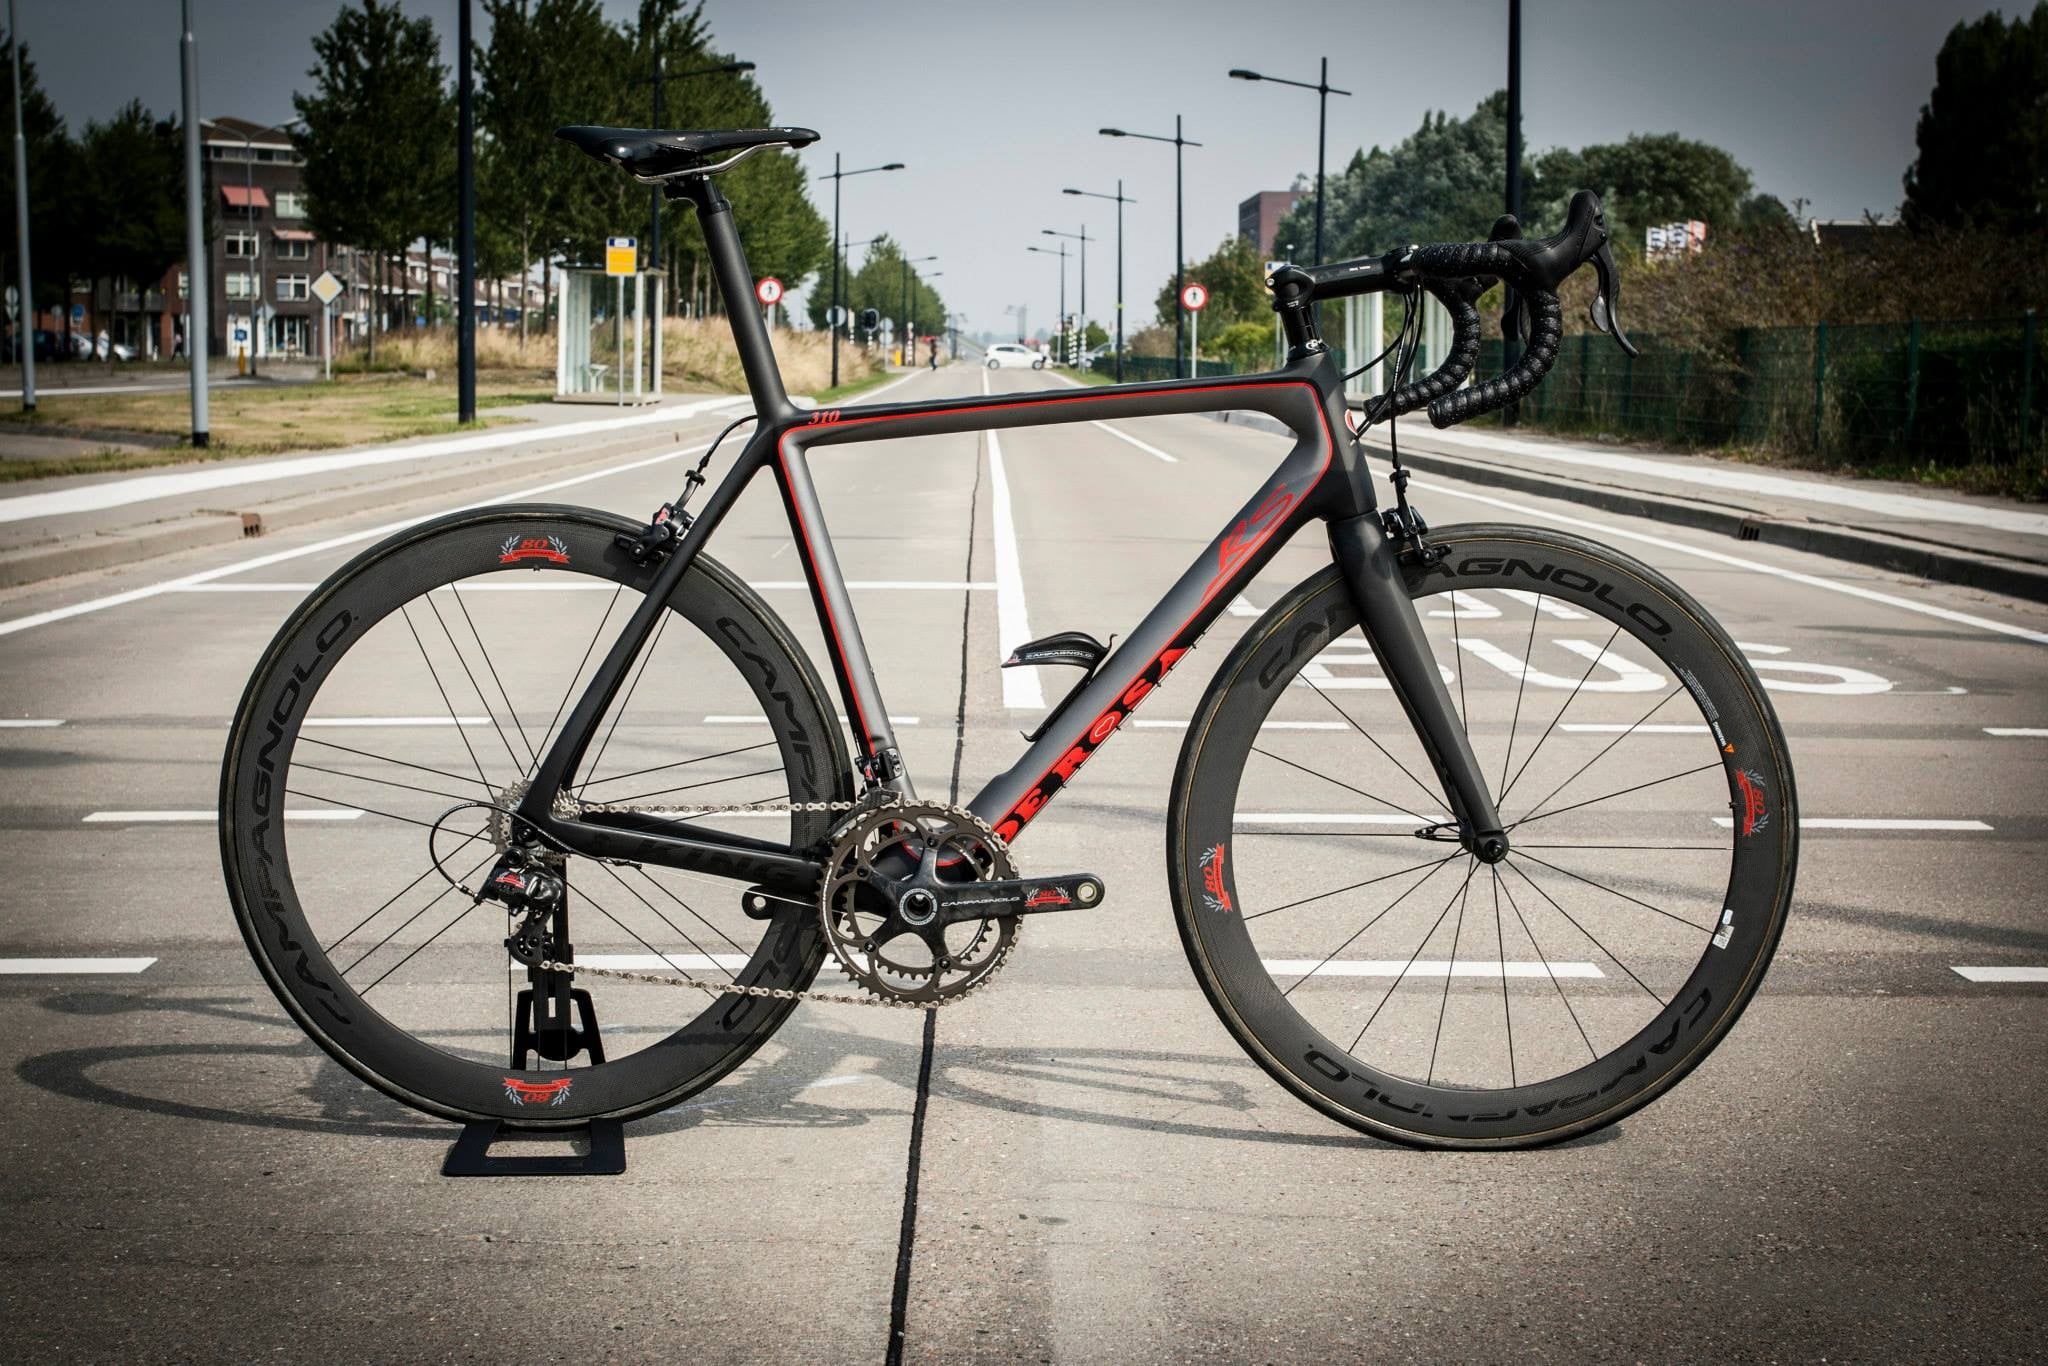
(1403, 987)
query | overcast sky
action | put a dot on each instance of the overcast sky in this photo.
(1817, 97)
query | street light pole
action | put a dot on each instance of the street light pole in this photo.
(195, 232)
(1082, 236)
(465, 251)
(1120, 202)
(1323, 90)
(1180, 313)
(25, 318)
(907, 263)
(1062, 254)
(837, 176)
(1511, 348)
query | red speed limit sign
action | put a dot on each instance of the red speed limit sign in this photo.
(1194, 298)
(769, 290)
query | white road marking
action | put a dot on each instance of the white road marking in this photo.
(649, 962)
(396, 721)
(32, 723)
(908, 585)
(1143, 446)
(740, 720)
(185, 582)
(1425, 967)
(2034, 731)
(1328, 818)
(121, 492)
(523, 584)
(1263, 725)
(169, 817)
(1611, 728)
(1754, 566)
(1022, 689)
(71, 967)
(2004, 974)
(1723, 479)
(1866, 823)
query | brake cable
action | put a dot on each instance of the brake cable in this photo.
(670, 521)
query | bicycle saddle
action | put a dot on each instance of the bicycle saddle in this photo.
(658, 153)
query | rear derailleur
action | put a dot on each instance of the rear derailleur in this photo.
(552, 1017)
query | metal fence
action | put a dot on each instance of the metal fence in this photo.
(1897, 395)
(1891, 396)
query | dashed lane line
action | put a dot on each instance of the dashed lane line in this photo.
(1438, 968)
(2003, 974)
(2035, 732)
(1869, 823)
(32, 723)
(208, 817)
(1144, 446)
(352, 721)
(1327, 818)
(72, 967)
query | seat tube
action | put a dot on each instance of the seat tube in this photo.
(1372, 570)
(736, 287)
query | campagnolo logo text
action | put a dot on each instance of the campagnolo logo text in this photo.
(1563, 576)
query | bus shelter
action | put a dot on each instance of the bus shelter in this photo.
(608, 336)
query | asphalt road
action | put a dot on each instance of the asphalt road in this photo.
(1856, 1173)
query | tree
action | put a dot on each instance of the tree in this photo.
(1646, 180)
(378, 136)
(131, 184)
(1248, 346)
(1983, 133)
(1236, 280)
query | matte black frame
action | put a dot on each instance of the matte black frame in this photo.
(1322, 477)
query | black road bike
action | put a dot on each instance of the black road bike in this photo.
(1482, 836)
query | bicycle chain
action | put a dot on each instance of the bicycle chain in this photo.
(567, 805)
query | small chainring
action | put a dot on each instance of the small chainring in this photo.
(878, 901)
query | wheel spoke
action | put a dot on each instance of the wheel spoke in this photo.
(1521, 686)
(680, 763)
(1703, 929)
(533, 756)
(1443, 1006)
(434, 901)
(634, 893)
(685, 787)
(305, 739)
(1433, 870)
(517, 763)
(625, 700)
(1428, 935)
(1339, 891)
(387, 782)
(548, 735)
(1507, 1012)
(1341, 783)
(1522, 874)
(1421, 786)
(405, 610)
(1605, 748)
(423, 943)
(1669, 777)
(1544, 959)
(1530, 758)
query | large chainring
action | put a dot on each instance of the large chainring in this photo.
(879, 901)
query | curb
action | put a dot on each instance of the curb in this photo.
(1924, 560)
(208, 527)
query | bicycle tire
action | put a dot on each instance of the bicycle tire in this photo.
(315, 640)
(1581, 579)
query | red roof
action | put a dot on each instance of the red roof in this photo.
(243, 196)
(290, 234)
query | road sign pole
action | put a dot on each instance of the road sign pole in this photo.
(195, 233)
(465, 257)
(1195, 345)
(327, 340)
(25, 327)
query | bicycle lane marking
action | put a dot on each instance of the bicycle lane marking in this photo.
(1022, 689)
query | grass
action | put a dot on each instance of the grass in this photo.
(1084, 376)
(257, 420)
(852, 387)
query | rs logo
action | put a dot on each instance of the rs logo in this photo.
(823, 417)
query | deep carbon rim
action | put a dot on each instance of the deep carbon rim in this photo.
(807, 756)
(1329, 1066)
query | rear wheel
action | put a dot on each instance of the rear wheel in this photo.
(1405, 988)
(428, 677)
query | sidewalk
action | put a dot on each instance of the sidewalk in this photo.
(51, 527)
(1997, 544)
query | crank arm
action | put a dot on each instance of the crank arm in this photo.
(1023, 896)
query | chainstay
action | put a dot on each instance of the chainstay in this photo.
(569, 805)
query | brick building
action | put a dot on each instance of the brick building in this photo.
(1258, 218)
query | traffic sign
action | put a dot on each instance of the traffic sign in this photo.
(834, 316)
(13, 302)
(769, 290)
(1194, 298)
(327, 288)
(621, 255)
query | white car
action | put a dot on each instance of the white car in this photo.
(1009, 355)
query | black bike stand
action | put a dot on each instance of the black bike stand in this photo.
(471, 1155)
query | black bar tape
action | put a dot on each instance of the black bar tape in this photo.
(1545, 335)
(1458, 298)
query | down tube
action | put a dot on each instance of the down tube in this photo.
(1272, 515)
